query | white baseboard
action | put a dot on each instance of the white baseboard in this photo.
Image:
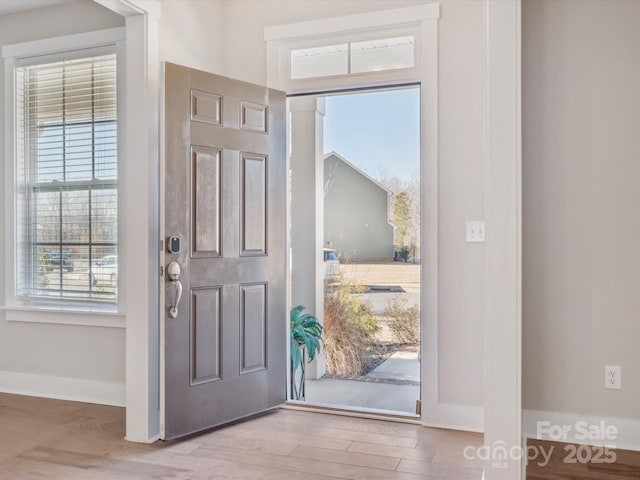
(63, 388)
(627, 437)
(469, 418)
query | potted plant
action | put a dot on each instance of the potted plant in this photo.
(306, 336)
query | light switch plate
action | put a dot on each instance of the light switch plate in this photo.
(475, 231)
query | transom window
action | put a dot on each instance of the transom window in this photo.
(67, 196)
(368, 50)
(353, 57)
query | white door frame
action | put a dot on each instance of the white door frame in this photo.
(501, 416)
(280, 40)
(138, 191)
(503, 207)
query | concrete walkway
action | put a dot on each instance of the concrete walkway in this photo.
(352, 393)
(375, 394)
(399, 366)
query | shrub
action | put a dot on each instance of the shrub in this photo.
(403, 321)
(349, 330)
(405, 253)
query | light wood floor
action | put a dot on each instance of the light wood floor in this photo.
(564, 464)
(57, 440)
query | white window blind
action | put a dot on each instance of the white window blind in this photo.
(66, 144)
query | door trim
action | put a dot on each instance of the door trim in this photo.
(139, 192)
(162, 256)
(434, 412)
(503, 252)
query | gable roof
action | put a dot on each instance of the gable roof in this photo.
(351, 165)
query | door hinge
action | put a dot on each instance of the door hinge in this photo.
(161, 271)
(418, 407)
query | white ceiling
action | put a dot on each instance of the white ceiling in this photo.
(15, 6)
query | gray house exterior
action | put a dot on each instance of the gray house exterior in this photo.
(356, 213)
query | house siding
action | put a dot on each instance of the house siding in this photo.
(356, 214)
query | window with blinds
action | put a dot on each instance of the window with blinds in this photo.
(67, 217)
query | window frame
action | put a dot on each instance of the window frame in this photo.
(286, 48)
(75, 46)
(408, 21)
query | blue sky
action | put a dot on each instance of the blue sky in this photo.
(379, 132)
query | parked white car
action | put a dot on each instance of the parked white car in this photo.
(331, 263)
(105, 271)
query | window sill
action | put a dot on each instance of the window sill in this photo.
(60, 316)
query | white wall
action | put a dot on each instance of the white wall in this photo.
(581, 170)
(48, 358)
(460, 163)
(461, 57)
(191, 34)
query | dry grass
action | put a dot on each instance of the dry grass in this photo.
(403, 321)
(349, 331)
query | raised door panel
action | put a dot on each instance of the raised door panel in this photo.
(206, 107)
(253, 327)
(253, 117)
(206, 188)
(253, 204)
(206, 338)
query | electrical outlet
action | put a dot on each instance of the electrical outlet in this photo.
(613, 377)
(474, 231)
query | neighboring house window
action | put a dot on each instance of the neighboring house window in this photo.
(67, 177)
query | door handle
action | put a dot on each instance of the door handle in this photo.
(173, 272)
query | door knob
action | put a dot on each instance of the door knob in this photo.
(173, 272)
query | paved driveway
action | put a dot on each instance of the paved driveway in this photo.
(394, 274)
(405, 275)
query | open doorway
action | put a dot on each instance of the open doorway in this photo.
(371, 252)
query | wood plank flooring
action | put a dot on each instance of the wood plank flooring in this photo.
(565, 463)
(43, 439)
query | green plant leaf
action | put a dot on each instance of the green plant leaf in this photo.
(305, 329)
